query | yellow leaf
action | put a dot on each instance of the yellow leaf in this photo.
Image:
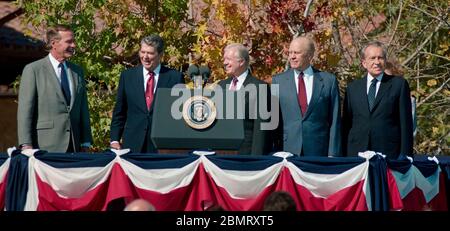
(435, 130)
(444, 46)
(431, 82)
(433, 143)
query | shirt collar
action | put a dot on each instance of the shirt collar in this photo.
(307, 72)
(53, 61)
(156, 70)
(241, 78)
(370, 77)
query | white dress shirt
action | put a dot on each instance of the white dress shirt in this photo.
(57, 69)
(241, 80)
(146, 77)
(369, 82)
(308, 78)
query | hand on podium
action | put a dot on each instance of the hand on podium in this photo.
(115, 145)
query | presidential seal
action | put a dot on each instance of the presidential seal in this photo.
(199, 112)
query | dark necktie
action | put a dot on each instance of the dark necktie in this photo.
(302, 100)
(371, 94)
(234, 82)
(65, 84)
(149, 89)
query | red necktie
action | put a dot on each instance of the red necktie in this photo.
(234, 84)
(302, 100)
(149, 89)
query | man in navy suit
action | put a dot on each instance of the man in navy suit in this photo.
(133, 112)
(236, 61)
(309, 104)
(377, 109)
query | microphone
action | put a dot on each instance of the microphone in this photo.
(193, 71)
(205, 72)
(194, 75)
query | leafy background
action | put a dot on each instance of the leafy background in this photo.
(108, 33)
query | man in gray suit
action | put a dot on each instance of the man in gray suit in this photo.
(53, 112)
(309, 104)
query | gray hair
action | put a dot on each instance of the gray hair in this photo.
(309, 42)
(242, 52)
(53, 34)
(374, 44)
(155, 41)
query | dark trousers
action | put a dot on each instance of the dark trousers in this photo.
(70, 147)
(148, 146)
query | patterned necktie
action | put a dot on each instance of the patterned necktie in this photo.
(234, 84)
(371, 94)
(149, 89)
(302, 100)
(65, 84)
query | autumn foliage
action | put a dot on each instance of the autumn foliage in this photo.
(108, 33)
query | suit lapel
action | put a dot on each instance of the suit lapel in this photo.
(75, 82)
(138, 83)
(225, 83)
(54, 79)
(163, 81)
(316, 91)
(247, 80)
(385, 85)
(361, 93)
(163, 78)
(288, 83)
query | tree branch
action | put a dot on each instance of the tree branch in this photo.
(299, 29)
(435, 55)
(433, 16)
(308, 6)
(338, 41)
(396, 24)
(433, 93)
(422, 45)
(11, 16)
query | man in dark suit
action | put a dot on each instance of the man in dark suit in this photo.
(309, 104)
(53, 113)
(236, 62)
(377, 109)
(133, 112)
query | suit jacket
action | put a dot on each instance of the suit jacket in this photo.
(388, 127)
(131, 119)
(43, 118)
(317, 133)
(256, 141)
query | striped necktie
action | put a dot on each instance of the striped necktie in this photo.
(371, 94)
